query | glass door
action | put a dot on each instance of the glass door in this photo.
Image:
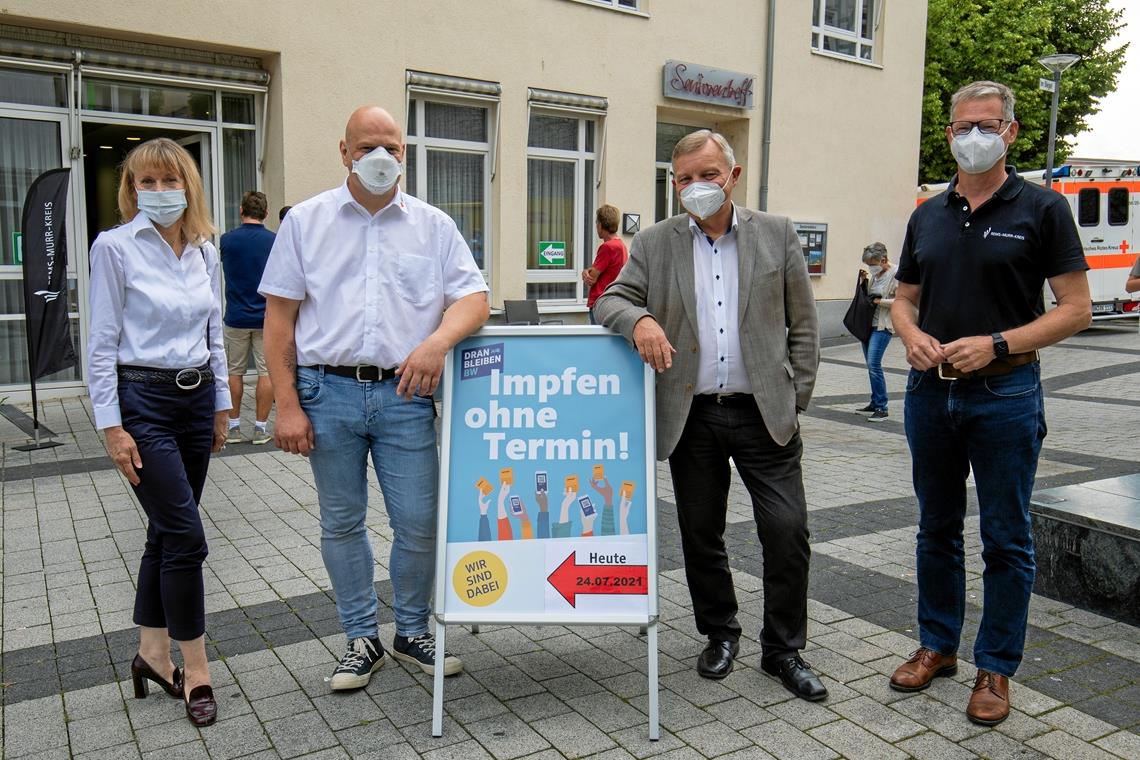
(30, 144)
(105, 146)
(199, 147)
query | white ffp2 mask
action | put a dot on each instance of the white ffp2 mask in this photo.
(702, 199)
(977, 152)
(378, 170)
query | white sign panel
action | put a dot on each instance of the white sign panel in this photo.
(548, 489)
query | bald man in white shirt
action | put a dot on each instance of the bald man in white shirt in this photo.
(367, 290)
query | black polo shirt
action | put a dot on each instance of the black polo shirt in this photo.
(983, 272)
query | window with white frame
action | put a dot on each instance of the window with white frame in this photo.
(562, 168)
(449, 162)
(633, 5)
(845, 27)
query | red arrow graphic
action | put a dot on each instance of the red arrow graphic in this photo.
(571, 579)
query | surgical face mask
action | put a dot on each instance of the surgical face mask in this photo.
(163, 207)
(377, 170)
(702, 199)
(977, 152)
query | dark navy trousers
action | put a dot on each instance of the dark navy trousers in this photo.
(174, 431)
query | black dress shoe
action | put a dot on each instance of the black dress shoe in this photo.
(797, 676)
(141, 672)
(716, 659)
(201, 708)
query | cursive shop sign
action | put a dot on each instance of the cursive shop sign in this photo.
(691, 81)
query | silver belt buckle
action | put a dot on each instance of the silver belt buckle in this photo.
(720, 397)
(941, 376)
(360, 379)
(185, 372)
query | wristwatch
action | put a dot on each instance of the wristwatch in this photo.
(1001, 348)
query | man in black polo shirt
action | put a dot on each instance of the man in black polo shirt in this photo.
(970, 312)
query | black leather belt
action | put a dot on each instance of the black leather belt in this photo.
(726, 399)
(1002, 365)
(362, 374)
(187, 379)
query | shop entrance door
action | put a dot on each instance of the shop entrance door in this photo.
(106, 144)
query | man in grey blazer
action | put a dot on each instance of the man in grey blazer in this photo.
(718, 301)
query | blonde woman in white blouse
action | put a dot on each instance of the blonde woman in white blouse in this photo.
(157, 379)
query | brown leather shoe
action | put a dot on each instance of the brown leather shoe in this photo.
(923, 667)
(989, 704)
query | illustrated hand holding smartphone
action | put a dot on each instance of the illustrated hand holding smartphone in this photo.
(504, 494)
(541, 489)
(589, 514)
(517, 508)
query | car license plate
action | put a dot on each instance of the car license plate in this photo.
(1103, 308)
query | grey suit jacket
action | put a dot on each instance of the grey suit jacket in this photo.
(779, 330)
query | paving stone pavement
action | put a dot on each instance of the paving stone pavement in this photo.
(72, 533)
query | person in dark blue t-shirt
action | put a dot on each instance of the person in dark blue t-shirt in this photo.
(245, 250)
(970, 312)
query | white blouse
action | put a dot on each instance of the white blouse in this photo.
(150, 308)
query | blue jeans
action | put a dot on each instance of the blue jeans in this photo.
(352, 421)
(873, 351)
(995, 426)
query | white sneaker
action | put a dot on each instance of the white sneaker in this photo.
(260, 436)
(233, 435)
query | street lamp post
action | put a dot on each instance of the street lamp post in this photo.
(1056, 64)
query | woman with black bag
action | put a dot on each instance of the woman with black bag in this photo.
(879, 287)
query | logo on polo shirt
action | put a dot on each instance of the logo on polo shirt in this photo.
(1013, 235)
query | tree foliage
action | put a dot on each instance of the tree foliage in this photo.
(1001, 40)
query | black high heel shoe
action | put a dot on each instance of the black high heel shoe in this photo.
(141, 672)
(201, 708)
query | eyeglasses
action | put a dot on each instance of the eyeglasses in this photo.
(985, 126)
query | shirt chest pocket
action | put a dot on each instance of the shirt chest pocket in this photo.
(767, 287)
(417, 279)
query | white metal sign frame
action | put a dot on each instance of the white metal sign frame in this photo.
(445, 617)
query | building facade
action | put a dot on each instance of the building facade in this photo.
(522, 117)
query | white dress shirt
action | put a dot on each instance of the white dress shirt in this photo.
(150, 308)
(371, 287)
(716, 266)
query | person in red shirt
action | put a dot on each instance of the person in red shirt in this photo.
(609, 259)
